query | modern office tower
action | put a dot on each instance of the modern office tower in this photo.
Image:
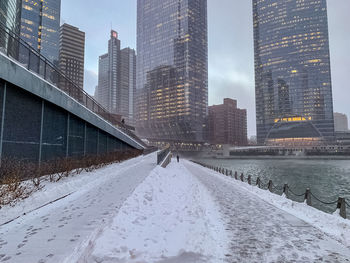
(340, 122)
(10, 14)
(227, 124)
(172, 70)
(40, 26)
(10, 11)
(127, 88)
(72, 51)
(292, 73)
(117, 80)
(108, 74)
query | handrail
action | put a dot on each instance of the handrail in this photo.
(341, 202)
(16, 48)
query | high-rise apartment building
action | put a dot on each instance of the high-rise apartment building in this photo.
(340, 122)
(117, 79)
(292, 72)
(40, 26)
(227, 124)
(172, 70)
(72, 52)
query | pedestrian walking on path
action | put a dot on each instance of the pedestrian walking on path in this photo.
(178, 158)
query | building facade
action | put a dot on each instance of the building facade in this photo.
(108, 74)
(227, 124)
(117, 80)
(72, 53)
(10, 11)
(172, 70)
(292, 72)
(341, 122)
(127, 89)
(40, 27)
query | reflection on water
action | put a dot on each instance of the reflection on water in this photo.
(327, 179)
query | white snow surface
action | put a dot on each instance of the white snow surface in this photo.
(272, 228)
(54, 232)
(171, 217)
(137, 212)
(78, 184)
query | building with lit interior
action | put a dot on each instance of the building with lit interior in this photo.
(40, 27)
(292, 73)
(172, 71)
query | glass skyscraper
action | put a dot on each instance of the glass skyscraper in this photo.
(172, 70)
(40, 26)
(10, 14)
(292, 72)
(109, 74)
(10, 18)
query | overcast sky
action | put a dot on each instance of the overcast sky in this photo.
(231, 57)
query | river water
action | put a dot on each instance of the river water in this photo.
(327, 179)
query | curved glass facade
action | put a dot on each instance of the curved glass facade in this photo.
(292, 67)
(172, 69)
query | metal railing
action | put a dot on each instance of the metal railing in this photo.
(307, 196)
(162, 155)
(17, 49)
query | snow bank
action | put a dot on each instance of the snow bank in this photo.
(332, 225)
(169, 218)
(66, 186)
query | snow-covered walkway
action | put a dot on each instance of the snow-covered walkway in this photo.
(53, 233)
(135, 212)
(260, 232)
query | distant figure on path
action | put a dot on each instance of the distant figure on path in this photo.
(178, 158)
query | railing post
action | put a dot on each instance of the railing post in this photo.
(285, 190)
(231, 173)
(249, 179)
(242, 177)
(341, 205)
(258, 182)
(269, 186)
(307, 197)
(236, 175)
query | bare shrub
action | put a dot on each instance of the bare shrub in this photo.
(13, 172)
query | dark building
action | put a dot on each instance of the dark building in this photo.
(227, 124)
(10, 14)
(117, 80)
(172, 70)
(40, 26)
(10, 11)
(292, 72)
(72, 51)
